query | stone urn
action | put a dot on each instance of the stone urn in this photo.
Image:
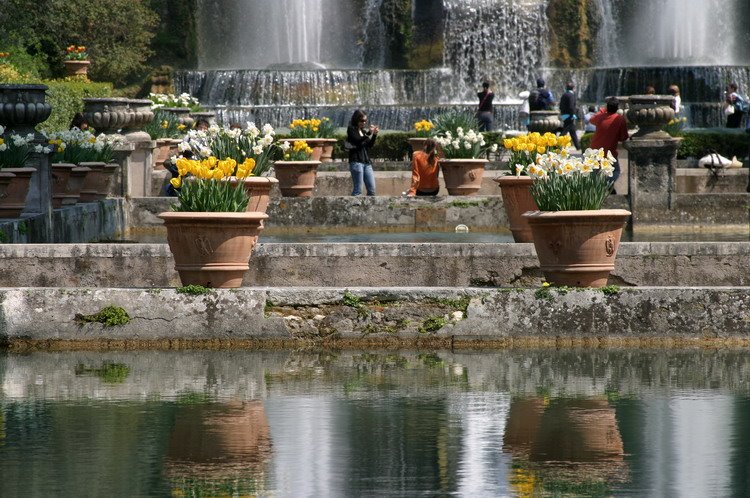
(142, 115)
(212, 249)
(13, 201)
(577, 248)
(60, 177)
(322, 148)
(517, 200)
(650, 113)
(296, 178)
(544, 121)
(182, 114)
(463, 176)
(76, 68)
(22, 107)
(107, 115)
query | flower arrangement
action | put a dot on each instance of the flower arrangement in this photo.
(451, 121)
(164, 125)
(675, 126)
(210, 189)
(300, 151)
(76, 53)
(237, 144)
(469, 145)
(311, 128)
(76, 146)
(423, 129)
(565, 183)
(4, 57)
(15, 150)
(525, 149)
(170, 100)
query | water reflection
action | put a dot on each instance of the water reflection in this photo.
(509, 423)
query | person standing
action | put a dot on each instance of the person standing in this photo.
(568, 110)
(523, 110)
(424, 171)
(611, 129)
(484, 111)
(361, 137)
(734, 104)
(587, 126)
(541, 98)
(674, 91)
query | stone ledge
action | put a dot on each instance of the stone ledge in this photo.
(447, 317)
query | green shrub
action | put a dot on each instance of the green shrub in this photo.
(109, 316)
(700, 142)
(66, 98)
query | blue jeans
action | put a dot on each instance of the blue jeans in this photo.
(359, 172)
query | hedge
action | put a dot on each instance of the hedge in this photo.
(66, 98)
(700, 142)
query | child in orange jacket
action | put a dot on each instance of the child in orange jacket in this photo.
(424, 171)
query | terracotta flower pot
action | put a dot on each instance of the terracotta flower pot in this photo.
(517, 200)
(165, 148)
(75, 183)
(322, 148)
(296, 178)
(417, 143)
(577, 248)
(60, 178)
(463, 176)
(76, 68)
(212, 249)
(96, 184)
(5, 179)
(13, 202)
(259, 190)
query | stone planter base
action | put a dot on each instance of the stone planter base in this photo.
(463, 176)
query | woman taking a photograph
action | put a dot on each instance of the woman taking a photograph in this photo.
(424, 171)
(360, 137)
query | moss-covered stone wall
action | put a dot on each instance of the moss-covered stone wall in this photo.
(574, 25)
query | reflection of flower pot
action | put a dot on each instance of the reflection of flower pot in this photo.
(463, 176)
(219, 442)
(577, 430)
(296, 178)
(212, 249)
(22, 107)
(96, 182)
(650, 113)
(517, 200)
(76, 68)
(577, 248)
(322, 148)
(523, 424)
(75, 182)
(544, 121)
(60, 178)
(14, 201)
(182, 114)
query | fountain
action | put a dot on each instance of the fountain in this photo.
(299, 58)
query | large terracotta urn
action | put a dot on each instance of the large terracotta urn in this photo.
(22, 107)
(650, 113)
(577, 248)
(296, 178)
(212, 249)
(322, 148)
(463, 176)
(13, 201)
(544, 121)
(76, 68)
(517, 200)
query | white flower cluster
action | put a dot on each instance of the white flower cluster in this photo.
(84, 140)
(170, 100)
(249, 141)
(20, 141)
(464, 144)
(562, 164)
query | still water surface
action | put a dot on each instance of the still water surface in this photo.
(507, 423)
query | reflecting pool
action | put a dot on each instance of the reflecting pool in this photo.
(376, 423)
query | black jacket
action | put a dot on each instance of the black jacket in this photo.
(568, 103)
(361, 143)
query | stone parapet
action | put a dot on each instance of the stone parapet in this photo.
(439, 317)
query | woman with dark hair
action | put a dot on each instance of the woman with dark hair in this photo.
(79, 122)
(424, 171)
(361, 137)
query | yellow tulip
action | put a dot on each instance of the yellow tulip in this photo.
(176, 182)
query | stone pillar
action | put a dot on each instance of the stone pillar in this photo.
(140, 164)
(652, 157)
(120, 186)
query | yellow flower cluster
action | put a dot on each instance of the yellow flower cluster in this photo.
(212, 169)
(301, 146)
(536, 142)
(299, 151)
(309, 124)
(423, 125)
(57, 142)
